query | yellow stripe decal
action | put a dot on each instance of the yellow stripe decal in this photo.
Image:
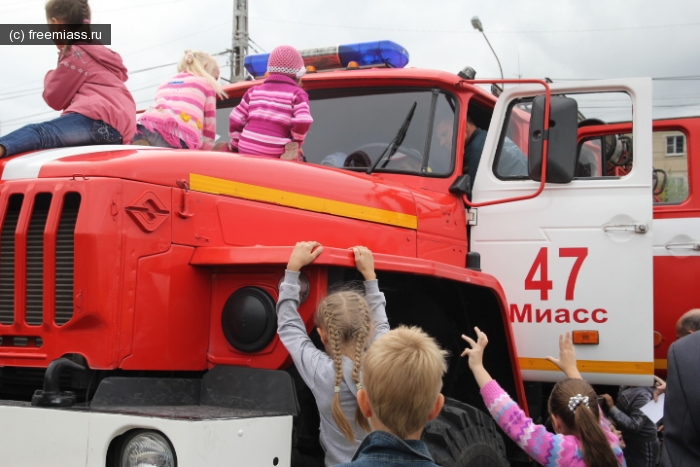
(591, 366)
(219, 186)
(661, 364)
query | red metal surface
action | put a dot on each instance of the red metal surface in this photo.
(675, 277)
(154, 262)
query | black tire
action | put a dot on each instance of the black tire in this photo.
(463, 436)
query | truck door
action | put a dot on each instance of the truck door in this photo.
(577, 257)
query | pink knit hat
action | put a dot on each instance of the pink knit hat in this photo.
(286, 60)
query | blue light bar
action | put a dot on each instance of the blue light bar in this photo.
(379, 53)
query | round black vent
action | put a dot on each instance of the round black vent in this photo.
(249, 319)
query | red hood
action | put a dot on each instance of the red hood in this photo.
(168, 167)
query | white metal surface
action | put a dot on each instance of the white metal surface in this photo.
(31, 436)
(677, 237)
(30, 165)
(580, 225)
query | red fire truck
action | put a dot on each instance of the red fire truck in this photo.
(138, 285)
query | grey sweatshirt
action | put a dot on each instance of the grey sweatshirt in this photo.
(317, 370)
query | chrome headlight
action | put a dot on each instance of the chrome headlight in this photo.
(147, 449)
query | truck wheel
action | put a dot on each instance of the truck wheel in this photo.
(463, 436)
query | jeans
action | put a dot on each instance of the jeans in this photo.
(67, 130)
(153, 138)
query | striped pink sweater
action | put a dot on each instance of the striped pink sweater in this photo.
(546, 448)
(185, 108)
(270, 116)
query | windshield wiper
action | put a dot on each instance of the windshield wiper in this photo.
(396, 142)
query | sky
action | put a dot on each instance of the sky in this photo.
(564, 40)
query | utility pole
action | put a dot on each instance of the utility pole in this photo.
(239, 45)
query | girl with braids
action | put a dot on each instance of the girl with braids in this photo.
(184, 114)
(347, 323)
(87, 85)
(582, 437)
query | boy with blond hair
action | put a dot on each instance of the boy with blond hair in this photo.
(401, 382)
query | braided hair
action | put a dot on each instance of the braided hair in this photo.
(345, 316)
(575, 403)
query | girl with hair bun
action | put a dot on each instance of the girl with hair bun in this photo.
(582, 439)
(347, 323)
(88, 85)
(184, 113)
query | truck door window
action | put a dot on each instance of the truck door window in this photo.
(604, 155)
(511, 160)
(670, 167)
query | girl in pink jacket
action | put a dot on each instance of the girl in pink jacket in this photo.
(275, 113)
(88, 85)
(583, 437)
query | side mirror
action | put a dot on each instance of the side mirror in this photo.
(563, 133)
(462, 186)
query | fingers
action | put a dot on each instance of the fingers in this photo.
(361, 251)
(316, 252)
(481, 337)
(469, 340)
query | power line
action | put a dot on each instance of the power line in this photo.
(464, 31)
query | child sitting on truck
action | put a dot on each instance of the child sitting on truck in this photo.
(87, 85)
(272, 119)
(347, 323)
(184, 114)
(401, 378)
(583, 438)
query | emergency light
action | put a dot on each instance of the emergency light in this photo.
(382, 53)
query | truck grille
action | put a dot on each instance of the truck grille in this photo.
(43, 237)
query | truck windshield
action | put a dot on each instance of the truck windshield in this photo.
(352, 128)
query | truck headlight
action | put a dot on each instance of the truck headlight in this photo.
(249, 320)
(147, 448)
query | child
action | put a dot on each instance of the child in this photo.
(582, 439)
(88, 85)
(640, 435)
(276, 113)
(345, 322)
(184, 114)
(401, 378)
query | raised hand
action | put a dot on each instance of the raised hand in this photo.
(364, 262)
(304, 253)
(475, 352)
(567, 357)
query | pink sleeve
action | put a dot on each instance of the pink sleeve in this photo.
(209, 128)
(545, 447)
(238, 119)
(301, 118)
(61, 84)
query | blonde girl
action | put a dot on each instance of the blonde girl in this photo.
(184, 113)
(582, 438)
(347, 323)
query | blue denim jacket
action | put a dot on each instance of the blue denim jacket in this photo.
(382, 449)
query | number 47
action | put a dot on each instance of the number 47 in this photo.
(543, 284)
